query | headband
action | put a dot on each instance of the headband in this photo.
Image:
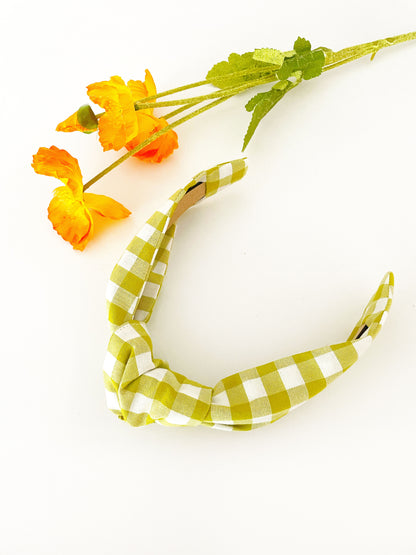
(142, 389)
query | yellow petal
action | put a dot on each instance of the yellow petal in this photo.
(119, 124)
(150, 84)
(106, 206)
(141, 90)
(70, 218)
(71, 124)
(60, 164)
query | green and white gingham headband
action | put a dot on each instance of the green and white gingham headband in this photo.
(142, 389)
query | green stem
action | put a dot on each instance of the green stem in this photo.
(264, 69)
(346, 55)
(332, 60)
(202, 98)
(142, 105)
(179, 110)
(152, 138)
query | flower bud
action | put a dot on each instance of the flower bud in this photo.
(87, 118)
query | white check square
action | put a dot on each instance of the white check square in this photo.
(112, 400)
(109, 363)
(127, 260)
(291, 376)
(174, 417)
(144, 362)
(190, 390)
(221, 399)
(141, 404)
(254, 389)
(329, 364)
(126, 332)
(151, 290)
(146, 232)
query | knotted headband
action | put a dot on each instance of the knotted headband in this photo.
(142, 389)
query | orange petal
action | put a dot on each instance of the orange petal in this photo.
(119, 124)
(150, 84)
(160, 148)
(112, 131)
(70, 218)
(60, 164)
(71, 124)
(140, 90)
(106, 206)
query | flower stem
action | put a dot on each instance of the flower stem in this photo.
(202, 98)
(179, 110)
(335, 59)
(265, 74)
(264, 69)
(152, 138)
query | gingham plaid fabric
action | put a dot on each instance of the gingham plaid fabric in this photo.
(142, 389)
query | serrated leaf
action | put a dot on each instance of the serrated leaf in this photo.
(217, 75)
(260, 105)
(269, 56)
(308, 62)
(301, 45)
(251, 104)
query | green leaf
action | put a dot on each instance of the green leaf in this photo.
(220, 75)
(251, 104)
(269, 56)
(301, 45)
(260, 105)
(308, 62)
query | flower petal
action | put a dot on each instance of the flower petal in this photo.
(106, 206)
(160, 148)
(60, 164)
(150, 83)
(71, 124)
(140, 90)
(119, 124)
(70, 218)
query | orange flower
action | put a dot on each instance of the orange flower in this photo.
(71, 211)
(119, 124)
(158, 149)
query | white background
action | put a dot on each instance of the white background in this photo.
(281, 262)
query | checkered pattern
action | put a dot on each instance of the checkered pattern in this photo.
(136, 279)
(142, 389)
(263, 394)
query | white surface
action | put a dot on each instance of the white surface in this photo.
(281, 262)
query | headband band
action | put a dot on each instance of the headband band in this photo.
(142, 389)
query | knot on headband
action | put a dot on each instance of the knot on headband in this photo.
(142, 389)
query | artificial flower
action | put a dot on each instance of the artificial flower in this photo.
(119, 124)
(158, 149)
(71, 211)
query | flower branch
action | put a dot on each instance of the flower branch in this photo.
(128, 120)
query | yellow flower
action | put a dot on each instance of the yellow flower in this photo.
(119, 124)
(71, 211)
